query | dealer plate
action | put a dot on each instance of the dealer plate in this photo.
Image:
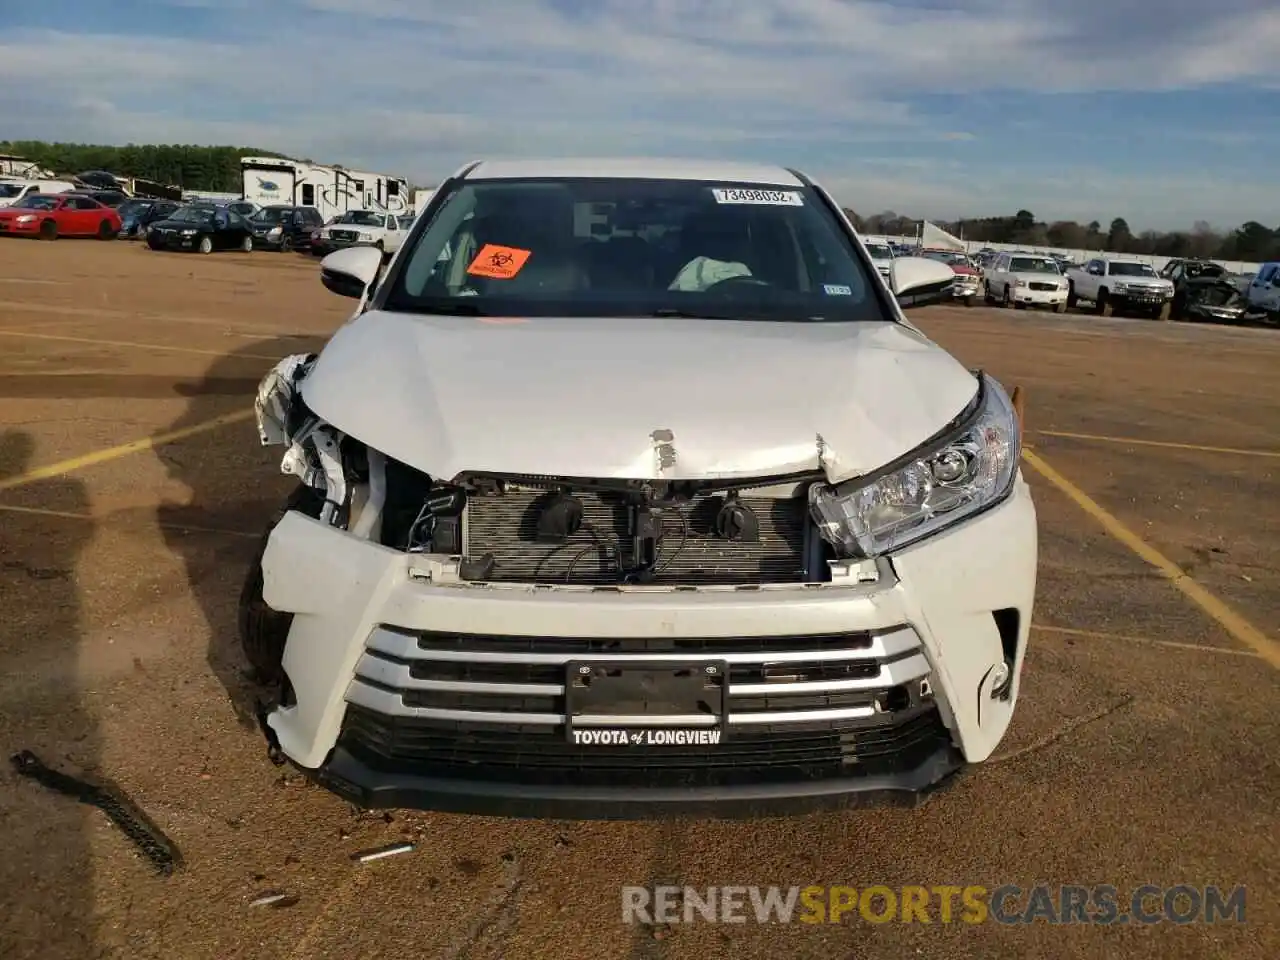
(645, 703)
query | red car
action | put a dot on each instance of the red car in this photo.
(52, 215)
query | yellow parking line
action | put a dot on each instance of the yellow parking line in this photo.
(1236, 625)
(223, 354)
(1130, 638)
(115, 453)
(1158, 443)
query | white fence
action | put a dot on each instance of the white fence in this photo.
(1079, 256)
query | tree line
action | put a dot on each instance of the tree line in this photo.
(182, 165)
(1251, 241)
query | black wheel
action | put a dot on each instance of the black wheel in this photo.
(286, 243)
(1059, 308)
(1071, 296)
(48, 230)
(263, 631)
(106, 231)
(1007, 300)
(987, 298)
(968, 301)
(1102, 306)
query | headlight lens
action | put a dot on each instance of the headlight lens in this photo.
(947, 481)
(188, 233)
(365, 236)
(26, 218)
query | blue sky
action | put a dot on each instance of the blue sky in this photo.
(1162, 113)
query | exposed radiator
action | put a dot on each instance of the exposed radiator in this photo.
(505, 525)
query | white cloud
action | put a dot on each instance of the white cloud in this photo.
(420, 87)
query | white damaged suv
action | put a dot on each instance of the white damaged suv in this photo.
(629, 490)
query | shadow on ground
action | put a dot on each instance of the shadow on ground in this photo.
(46, 873)
(234, 484)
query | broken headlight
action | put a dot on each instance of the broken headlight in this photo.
(952, 477)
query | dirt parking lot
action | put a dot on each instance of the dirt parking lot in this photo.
(132, 490)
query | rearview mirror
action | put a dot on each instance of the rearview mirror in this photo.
(917, 281)
(349, 273)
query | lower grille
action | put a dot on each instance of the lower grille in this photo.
(505, 525)
(799, 708)
(1036, 285)
(343, 235)
(409, 746)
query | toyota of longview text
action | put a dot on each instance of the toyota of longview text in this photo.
(629, 489)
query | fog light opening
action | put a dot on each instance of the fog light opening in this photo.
(1002, 681)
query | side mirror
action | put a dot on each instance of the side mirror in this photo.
(917, 281)
(349, 273)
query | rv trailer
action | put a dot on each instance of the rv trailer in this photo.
(331, 190)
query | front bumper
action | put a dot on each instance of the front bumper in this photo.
(1027, 297)
(965, 288)
(16, 229)
(171, 241)
(918, 646)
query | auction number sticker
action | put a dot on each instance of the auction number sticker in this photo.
(773, 198)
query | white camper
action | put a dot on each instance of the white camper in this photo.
(420, 199)
(331, 190)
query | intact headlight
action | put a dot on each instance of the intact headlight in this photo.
(364, 236)
(952, 477)
(188, 233)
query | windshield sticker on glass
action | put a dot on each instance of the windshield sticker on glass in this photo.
(776, 198)
(837, 290)
(498, 262)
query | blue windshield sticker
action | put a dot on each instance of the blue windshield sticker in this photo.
(837, 290)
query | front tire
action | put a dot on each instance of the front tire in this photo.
(1072, 302)
(246, 245)
(1102, 306)
(48, 230)
(263, 630)
(106, 231)
(205, 244)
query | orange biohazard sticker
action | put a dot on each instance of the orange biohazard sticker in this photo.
(498, 262)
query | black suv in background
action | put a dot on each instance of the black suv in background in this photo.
(285, 227)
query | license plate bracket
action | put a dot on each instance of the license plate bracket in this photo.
(645, 703)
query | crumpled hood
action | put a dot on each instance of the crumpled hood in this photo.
(635, 398)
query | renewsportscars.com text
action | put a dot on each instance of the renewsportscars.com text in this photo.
(1005, 904)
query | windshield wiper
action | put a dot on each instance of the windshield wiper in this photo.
(691, 315)
(446, 309)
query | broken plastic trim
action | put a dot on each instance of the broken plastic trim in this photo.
(146, 836)
(314, 453)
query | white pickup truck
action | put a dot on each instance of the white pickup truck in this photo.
(1117, 285)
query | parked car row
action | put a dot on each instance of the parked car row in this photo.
(202, 226)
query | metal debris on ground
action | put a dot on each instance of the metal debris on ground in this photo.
(276, 898)
(379, 852)
(146, 836)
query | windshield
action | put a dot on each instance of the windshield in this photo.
(130, 207)
(879, 251)
(274, 214)
(1033, 265)
(1131, 270)
(10, 190)
(405, 222)
(36, 201)
(362, 218)
(630, 247)
(192, 215)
